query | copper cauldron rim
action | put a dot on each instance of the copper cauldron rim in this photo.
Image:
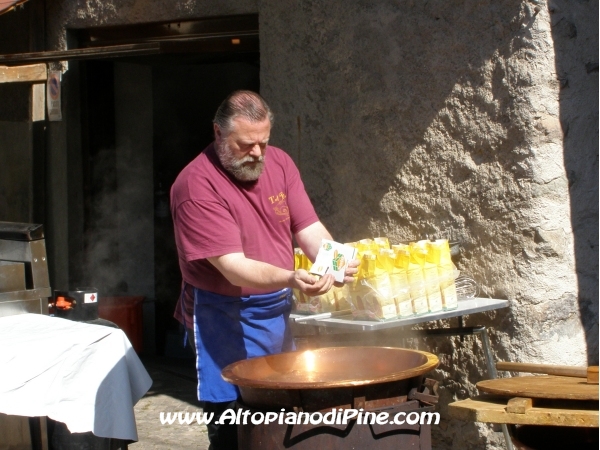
(431, 362)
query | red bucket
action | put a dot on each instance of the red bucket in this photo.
(126, 312)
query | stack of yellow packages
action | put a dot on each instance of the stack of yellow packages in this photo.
(334, 300)
(391, 282)
(439, 254)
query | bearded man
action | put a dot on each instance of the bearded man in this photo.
(236, 209)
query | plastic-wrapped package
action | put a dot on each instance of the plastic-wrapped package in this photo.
(430, 274)
(399, 282)
(439, 252)
(416, 279)
(370, 296)
(382, 242)
(302, 301)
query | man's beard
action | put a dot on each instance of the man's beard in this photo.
(248, 168)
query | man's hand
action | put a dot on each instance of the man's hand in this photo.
(350, 273)
(309, 284)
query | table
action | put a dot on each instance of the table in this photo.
(470, 306)
(551, 423)
(86, 376)
(465, 307)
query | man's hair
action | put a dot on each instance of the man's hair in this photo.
(246, 104)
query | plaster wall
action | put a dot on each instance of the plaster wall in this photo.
(447, 119)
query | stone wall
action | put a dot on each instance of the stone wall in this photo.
(446, 119)
(75, 14)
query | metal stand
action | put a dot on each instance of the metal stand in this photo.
(489, 359)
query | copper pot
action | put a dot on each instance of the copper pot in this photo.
(319, 379)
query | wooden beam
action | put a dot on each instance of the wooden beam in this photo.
(38, 102)
(34, 72)
(592, 375)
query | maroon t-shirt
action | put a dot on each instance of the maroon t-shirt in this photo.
(214, 214)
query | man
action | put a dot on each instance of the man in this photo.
(236, 208)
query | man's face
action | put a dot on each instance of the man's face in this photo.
(242, 150)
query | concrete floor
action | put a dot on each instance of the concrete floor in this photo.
(173, 389)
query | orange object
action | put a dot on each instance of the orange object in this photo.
(126, 312)
(63, 303)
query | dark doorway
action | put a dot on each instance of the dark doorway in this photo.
(181, 132)
(143, 119)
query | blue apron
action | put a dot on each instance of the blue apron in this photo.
(229, 329)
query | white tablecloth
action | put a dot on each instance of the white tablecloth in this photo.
(86, 376)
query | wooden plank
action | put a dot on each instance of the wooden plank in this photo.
(493, 410)
(592, 375)
(519, 405)
(38, 102)
(82, 53)
(14, 431)
(34, 72)
(547, 369)
(543, 386)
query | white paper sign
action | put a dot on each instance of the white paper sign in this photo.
(92, 297)
(333, 258)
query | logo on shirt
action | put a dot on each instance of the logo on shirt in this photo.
(280, 205)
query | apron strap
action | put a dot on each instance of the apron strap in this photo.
(183, 312)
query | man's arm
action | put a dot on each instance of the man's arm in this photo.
(309, 239)
(242, 271)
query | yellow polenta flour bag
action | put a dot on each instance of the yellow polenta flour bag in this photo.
(400, 285)
(382, 242)
(301, 262)
(440, 253)
(398, 247)
(323, 303)
(364, 246)
(416, 279)
(341, 298)
(356, 290)
(384, 307)
(368, 296)
(430, 274)
(398, 282)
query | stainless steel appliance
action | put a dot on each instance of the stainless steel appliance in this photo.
(24, 281)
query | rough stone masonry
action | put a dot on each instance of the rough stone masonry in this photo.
(450, 119)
